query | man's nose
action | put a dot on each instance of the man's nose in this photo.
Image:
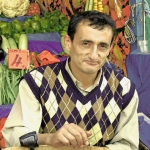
(94, 53)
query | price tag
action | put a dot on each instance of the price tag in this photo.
(47, 58)
(18, 59)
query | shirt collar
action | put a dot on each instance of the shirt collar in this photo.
(78, 83)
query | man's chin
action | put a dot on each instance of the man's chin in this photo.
(90, 71)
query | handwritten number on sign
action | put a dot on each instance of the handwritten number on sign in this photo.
(18, 59)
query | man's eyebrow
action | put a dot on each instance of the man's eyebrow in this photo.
(104, 43)
(86, 40)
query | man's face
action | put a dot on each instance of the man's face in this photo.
(89, 48)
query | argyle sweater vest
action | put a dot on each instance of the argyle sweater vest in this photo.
(62, 103)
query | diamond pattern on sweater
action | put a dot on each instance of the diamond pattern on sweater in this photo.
(127, 87)
(98, 108)
(50, 77)
(112, 110)
(66, 106)
(113, 83)
(61, 80)
(37, 76)
(96, 134)
(51, 105)
(83, 109)
(104, 84)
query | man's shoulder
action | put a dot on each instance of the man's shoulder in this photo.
(49, 67)
(115, 74)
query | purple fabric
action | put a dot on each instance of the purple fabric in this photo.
(5, 110)
(39, 46)
(138, 70)
(144, 131)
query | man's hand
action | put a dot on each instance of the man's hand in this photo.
(68, 134)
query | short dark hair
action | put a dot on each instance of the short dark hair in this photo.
(95, 18)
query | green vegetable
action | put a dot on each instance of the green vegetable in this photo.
(62, 17)
(55, 13)
(29, 30)
(36, 17)
(9, 81)
(54, 18)
(23, 42)
(6, 31)
(47, 14)
(16, 36)
(3, 24)
(64, 22)
(51, 23)
(12, 43)
(17, 26)
(28, 20)
(36, 25)
(87, 5)
(45, 24)
(26, 25)
(5, 44)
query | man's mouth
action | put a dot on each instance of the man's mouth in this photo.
(91, 62)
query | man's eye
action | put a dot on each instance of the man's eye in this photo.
(85, 43)
(103, 46)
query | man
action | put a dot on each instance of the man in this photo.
(79, 101)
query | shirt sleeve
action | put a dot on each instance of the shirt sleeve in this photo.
(25, 116)
(127, 132)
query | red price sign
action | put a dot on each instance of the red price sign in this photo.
(18, 59)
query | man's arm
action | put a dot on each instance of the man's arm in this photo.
(127, 133)
(25, 116)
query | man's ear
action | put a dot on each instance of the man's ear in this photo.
(67, 42)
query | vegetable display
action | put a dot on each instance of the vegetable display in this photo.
(9, 78)
(49, 22)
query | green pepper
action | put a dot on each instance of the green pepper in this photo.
(6, 32)
(36, 17)
(47, 14)
(15, 21)
(3, 24)
(36, 25)
(17, 25)
(26, 25)
(52, 30)
(28, 20)
(65, 28)
(64, 22)
(62, 17)
(16, 37)
(51, 23)
(54, 18)
(55, 13)
(44, 31)
(29, 30)
(45, 24)
(63, 33)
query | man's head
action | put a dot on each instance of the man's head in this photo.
(95, 19)
(89, 40)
